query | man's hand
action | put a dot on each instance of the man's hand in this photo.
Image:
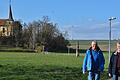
(109, 75)
(84, 72)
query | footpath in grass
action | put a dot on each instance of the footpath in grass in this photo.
(32, 66)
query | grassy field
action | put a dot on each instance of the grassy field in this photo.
(34, 66)
(52, 66)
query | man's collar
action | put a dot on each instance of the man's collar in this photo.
(115, 53)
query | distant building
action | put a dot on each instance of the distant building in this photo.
(9, 28)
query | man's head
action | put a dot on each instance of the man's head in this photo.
(118, 46)
(94, 45)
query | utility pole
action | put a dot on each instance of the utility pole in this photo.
(110, 19)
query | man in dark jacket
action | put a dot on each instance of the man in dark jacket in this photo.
(114, 65)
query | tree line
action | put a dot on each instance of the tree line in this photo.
(41, 33)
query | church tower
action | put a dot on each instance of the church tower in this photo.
(10, 12)
(9, 28)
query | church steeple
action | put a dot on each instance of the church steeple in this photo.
(10, 12)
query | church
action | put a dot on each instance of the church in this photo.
(9, 29)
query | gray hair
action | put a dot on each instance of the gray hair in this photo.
(94, 41)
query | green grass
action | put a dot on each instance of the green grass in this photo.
(38, 59)
(53, 66)
(33, 66)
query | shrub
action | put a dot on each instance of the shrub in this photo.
(39, 49)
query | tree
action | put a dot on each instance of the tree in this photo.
(43, 33)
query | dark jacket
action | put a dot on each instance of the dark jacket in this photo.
(113, 64)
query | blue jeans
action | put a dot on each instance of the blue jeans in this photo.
(115, 77)
(94, 75)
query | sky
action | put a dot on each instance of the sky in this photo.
(81, 19)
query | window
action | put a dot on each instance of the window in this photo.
(3, 30)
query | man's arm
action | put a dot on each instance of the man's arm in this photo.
(85, 62)
(102, 61)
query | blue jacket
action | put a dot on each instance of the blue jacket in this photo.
(98, 58)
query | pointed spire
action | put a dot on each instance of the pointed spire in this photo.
(10, 11)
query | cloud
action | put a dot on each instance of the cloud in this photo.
(116, 23)
(116, 26)
(92, 31)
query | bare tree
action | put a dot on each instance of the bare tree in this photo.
(45, 33)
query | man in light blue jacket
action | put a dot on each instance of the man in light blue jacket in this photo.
(93, 62)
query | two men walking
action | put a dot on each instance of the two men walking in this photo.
(94, 63)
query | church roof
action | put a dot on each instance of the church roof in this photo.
(2, 22)
(10, 14)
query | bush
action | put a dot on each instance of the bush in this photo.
(39, 49)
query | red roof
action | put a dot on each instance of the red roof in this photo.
(3, 21)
